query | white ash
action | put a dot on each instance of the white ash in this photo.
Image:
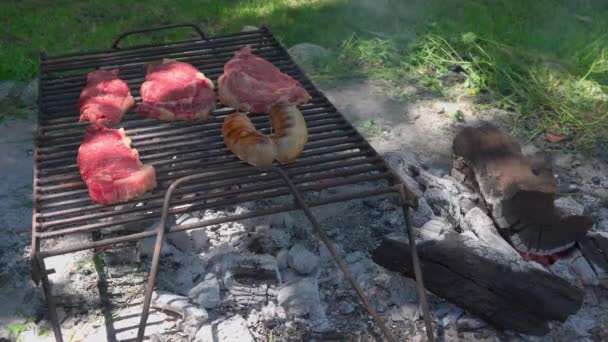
(233, 329)
(207, 292)
(302, 260)
(193, 317)
(569, 206)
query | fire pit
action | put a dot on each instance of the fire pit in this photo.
(194, 169)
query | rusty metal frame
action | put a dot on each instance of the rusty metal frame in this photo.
(407, 200)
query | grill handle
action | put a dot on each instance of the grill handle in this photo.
(158, 28)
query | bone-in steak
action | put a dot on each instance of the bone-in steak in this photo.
(105, 99)
(176, 91)
(111, 168)
(252, 84)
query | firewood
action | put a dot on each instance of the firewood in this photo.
(501, 288)
(518, 190)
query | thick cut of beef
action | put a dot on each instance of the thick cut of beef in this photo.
(111, 168)
(252, 84)
(176, 91)
(105, 99)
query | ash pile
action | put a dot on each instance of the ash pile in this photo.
(269, 278)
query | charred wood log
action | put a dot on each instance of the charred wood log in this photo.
(519, 191)
(500, 288)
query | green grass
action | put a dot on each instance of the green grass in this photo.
(16, 329)
(546, 60)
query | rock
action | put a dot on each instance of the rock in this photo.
(5, 88)
(596, 180)
(308, 55)
(302, 260)
(423, 214)
(248, 28)
(477, 221)
(345, 307)
(233, 329)
(282, 259)
(300, 298)
(469, 323)
(193, 317)
(569, 206)
(207, 292)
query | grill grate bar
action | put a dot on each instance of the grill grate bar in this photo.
(313, 117)
(209, 48)
(236, 174)
(203, 205)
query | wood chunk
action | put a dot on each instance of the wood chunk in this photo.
(505, 291)
(592, 252)
(518, 190)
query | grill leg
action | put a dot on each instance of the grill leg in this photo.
(416, 262)
(151, 282)
(48, 296)
(341, 264)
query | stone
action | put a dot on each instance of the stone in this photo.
(302, 260)
(345, 307)
(207, 292)
(423, 214)
(308, 55)
(193, 317)
(282, 259)
(233, 329)
(569, 206)
(5, 88)
(596, 180)
(248, 28)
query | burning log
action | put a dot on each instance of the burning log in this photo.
(519, 191)
(501, 288)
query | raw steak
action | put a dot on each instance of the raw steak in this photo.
(111, 168)
(252, 84)
(176, 91)
(105, 99)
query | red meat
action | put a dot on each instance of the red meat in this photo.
(111, 168)
(176, 91)
(252, 84)
(105, 99)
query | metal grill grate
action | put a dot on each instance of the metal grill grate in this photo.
(335, 155)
